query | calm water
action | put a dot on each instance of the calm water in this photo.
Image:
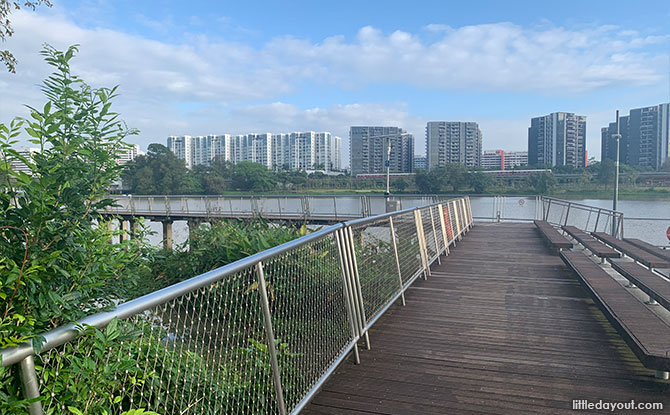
(652, 226)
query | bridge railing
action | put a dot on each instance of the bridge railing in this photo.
(589, 218)
(334, 208)
(260, 335)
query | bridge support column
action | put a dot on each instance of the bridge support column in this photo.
(167, 234)
(110, 226)
(124, 225)
(661, 374)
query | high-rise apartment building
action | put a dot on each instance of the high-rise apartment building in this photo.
(493, 159)
(557, 139)
(645, 137)
(181, 147)
(420, 163)
(453, 142)
(299, 150)
(515, 159)
(369, 149)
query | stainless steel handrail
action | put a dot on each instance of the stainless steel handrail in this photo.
(459, 209)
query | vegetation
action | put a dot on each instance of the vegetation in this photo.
(57, 264)
(6, 30)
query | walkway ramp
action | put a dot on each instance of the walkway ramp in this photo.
(501, 326)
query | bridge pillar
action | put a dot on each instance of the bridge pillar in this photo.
(661, 374)
(110, 226)
(167, 234)
(124, 225)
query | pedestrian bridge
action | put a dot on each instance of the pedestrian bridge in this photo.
(415, 311)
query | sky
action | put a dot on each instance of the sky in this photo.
(206, 67)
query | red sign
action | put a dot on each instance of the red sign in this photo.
(521, 202)
(667, 233)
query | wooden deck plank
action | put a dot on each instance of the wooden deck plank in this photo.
(502, 326)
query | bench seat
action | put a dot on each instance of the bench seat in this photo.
(592, 244)
(654, 250)
(640, 255)
(654, 286)
(645, 333)
(552, 236)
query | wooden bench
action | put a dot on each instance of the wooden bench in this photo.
(640, 255)
(598, 249)
(657, 288)
(647, 335)
(552, 236)
(654, 250)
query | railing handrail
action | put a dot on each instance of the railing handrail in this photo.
(588, 207)
(63, 334)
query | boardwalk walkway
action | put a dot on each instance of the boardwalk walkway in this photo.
(501, 327)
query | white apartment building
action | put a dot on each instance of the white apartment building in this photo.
(515, 159)
(129, 154)
(295, 151)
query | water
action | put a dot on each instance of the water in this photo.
(643, 219)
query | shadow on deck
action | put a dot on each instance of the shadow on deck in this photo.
(502, 326)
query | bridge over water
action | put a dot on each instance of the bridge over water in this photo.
(421, 310)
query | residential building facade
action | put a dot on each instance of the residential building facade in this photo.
(369, 149)
(515, 159)
(493, 159)
(557, 139)
(295, 151)
(645, 137)
(420, 163)
(453, 142)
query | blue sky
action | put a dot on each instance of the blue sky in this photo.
(234, 67)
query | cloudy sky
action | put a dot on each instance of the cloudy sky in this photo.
(205, 67)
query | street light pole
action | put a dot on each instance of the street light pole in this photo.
(615, 199)
(388, 168)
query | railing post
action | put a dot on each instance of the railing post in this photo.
(432, 222)
(422, 243)
(397, 260)
(546, 213)
(348, 295)
(445, 236)
(595, 228)
(30, 384)
(458, 222)
(567, 213)
(269, 334)
(357, 281)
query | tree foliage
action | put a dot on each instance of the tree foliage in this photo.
(6, 29)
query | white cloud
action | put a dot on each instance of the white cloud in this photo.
(237, 88)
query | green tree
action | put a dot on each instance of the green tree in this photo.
(401, 184)
(159, 172)
(56, 262)
(426, 181)
(479, 181)
(6, 30)
(542, 182)
(247, 175)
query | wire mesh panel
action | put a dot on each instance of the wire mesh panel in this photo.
(309, 314)
(454, 218)
(377, 270)
(407, 240)
(427, 224)
(448, 222)
(202, 353)
(441, 245)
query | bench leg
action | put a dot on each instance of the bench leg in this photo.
(651, 301)
(631, 285)
(603, 260)
(661, 374)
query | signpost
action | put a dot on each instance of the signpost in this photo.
(521, 202)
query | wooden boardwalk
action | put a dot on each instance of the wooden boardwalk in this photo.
(501, 327)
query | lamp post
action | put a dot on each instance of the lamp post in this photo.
(615, 198)
(388, 168)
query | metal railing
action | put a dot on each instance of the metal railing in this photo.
(260, 335)
(589, 218)
(334, 208)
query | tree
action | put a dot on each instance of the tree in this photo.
(426, 182)
(479, 181)
(247, 175)
(6, 30)
(542, 182)
(159, 172)
(401, 184)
